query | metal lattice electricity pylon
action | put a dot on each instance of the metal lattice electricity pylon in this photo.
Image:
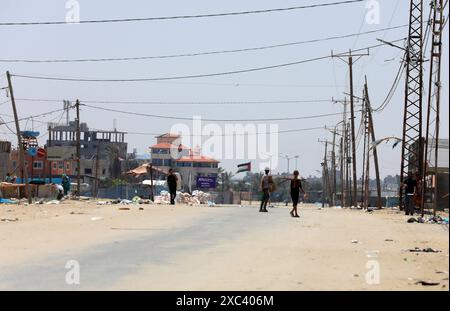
(430, 188)
(412, 145)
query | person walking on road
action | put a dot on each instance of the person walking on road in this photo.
(296, 186)
(172, 184)
(410, 185)
(267, 185)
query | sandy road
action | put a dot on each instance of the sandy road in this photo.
(225, 248)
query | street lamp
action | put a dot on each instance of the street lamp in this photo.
(288, 158)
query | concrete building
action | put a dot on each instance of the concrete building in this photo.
(189, 163)
(161, 155)
(5, 150)
(109, 147)
(441, 171)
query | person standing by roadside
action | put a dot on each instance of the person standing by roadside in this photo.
(266, 185)
(8, 178)
(410, 185)
(296, 186)
(65, 183)
(172, 184)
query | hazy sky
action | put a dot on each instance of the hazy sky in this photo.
(320, 80)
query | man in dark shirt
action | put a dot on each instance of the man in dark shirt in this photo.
(172, 184)
(410, 185)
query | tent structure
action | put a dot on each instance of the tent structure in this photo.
(144, 169)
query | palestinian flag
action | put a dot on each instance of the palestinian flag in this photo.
(245, 167)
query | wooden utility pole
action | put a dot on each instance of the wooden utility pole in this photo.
(350, 61)
(97, 162)
(77, 106)
(374, 147)
(343, 153)
(333, 164)
(19, 139)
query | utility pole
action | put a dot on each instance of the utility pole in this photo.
(97, 162)
(333, 167)
(433, 109)
(77, 106)
(374, 148)
(366, 156)
(343, 153)
(412, 157)
(350, 63)
(19, 138)
(327, 183)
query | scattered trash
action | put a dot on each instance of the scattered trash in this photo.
(441, 272)
(427, 283)
(389, 240)
(7, 201)
(423, 250)
(96, 218)
(431, 220)
(76, 213)
(355, 241)
(124, 208)
(53, 202)
(9, 219)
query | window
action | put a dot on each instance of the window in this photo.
(38, 165)
(54, 165)
(67, 165)
(60, 165)
(88, 171)
(157, 162)
(160, 151)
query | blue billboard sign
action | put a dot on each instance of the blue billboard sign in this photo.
(206, 182)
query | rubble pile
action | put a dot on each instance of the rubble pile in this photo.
(430, 220)
(197, 198)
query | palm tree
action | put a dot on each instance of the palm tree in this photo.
(115, 168)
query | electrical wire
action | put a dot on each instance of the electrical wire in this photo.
(182, 16)
(238, 134)
(41, 77)
(393, 88)
(211, 120)
(35, 116)
(199, 53)
(182, 103)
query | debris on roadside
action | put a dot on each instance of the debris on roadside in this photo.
(430, 220)
(427, 283)
(8, 201)
(9, 219)
(423, 250)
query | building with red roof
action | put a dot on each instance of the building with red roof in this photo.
(169, 152)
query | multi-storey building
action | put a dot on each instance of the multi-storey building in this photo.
(188, 162)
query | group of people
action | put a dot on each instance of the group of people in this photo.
(268, 185)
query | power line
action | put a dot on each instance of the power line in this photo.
(238, 134)
(198, 53)
(183, 103)
(41, 77)
(393, 88)
(183, 16)
(211, 120)
(36, 116)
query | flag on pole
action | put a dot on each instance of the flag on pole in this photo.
(245, 167)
